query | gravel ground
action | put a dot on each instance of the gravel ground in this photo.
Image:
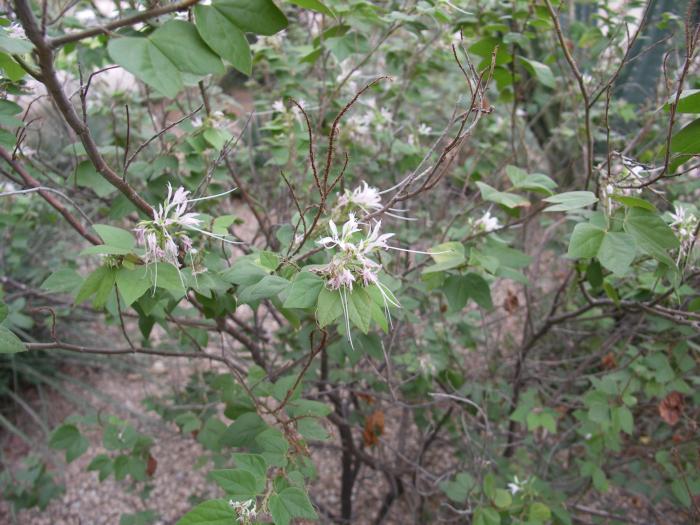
(86, 500)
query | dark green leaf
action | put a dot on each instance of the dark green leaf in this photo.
(261, 17)
(212, 512)
(617, 252)
(224, 37)
(652, 234)
(180, 42)
(304, 291)
(242, 431)
(585, 241)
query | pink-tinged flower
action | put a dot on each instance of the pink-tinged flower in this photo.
(186, 243)
(160, 236)
(343, 278)
(368, 275)
(140, 235)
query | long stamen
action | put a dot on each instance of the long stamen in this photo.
(346, 313)
(209, 234)
(211, 196)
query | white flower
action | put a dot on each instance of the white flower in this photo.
(16, 31)
(487, 223)
(365, 197)
(163, 236)
(679, 215)
(425, 363)
(516, 485)
(341, 240)
(424, 129)
(279, 106)
(685, 223)
(245, 509)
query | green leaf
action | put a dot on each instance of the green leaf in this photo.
(64, 436)
(224, 37)
(62, 280)
(103, 464)
(268, 286)
(311, 429)
(329, 307)
(145, 61)
(680, 491)
(212, 512)
(478, 290)
(617, 252)
(541, 72)
(509, 200)
(291, 503)
(92, 284)
(503, 499)
(166, 276)
(457, 292)
(308, 407)
(571, 200)
(304, 291)
(359, 310)
(244, 272)
(180, 42)
(536, 182)
(14, 46)
(585, 241)
(459, 489)
(273, 446)
(239, 484)
(486, 516)
(10, 343)
(634, 202)
(314, 5)
(689, 102)
(652, 234)
(87, 176)
(12, 69)
(261, 17)
(539, 512)
(447, 255)
(626, 419)
(243, 431)
(132, 284)
(4, 310)
(253, 463)
(687, 140)
(221, 224)
(115, 236)
(188, 422)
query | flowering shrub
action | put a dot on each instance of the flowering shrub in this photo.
(454, 243)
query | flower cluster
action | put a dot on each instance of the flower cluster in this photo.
(364, 198)
(352, 263)
(167, 234)
(245, 509)
(685, 223)
(486, 223)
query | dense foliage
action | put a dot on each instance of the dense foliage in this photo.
(453, 242)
